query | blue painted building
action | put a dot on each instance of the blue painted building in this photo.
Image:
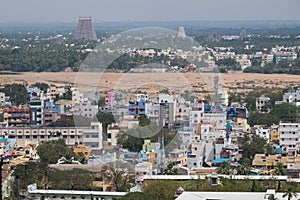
(136, 108)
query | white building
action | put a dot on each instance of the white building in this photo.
(260, 102)
(2, 98)
(195, 157)
(142, 169)
(87, 110)
(292, 97)
(77, 96)
(112, 133)
(263, 132)
(89, 136)
(152, 111)
(143, 97)
(289, 134)
(186, 135)
(196, 117)
(223, 97)
(217, 118)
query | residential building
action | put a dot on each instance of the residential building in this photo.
(36, 107)
(136, 108)
(17, 116)
(112, 133)
(152, 111)
(178, 157)
(143, 97)
(77, 96)
(195, 157)
(268, 162)
(263, 132)
(261, 102)
(292, 97)
(274, 135)
(285, 56)
(187, 135)
(2, 98)
(86, 109)
(223, 97)
(110, 99)
(89, 136)
(289, 134)
(80, 148)
(50, 117)
(217, 117)
(142, 169)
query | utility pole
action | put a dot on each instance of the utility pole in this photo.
(161, 137)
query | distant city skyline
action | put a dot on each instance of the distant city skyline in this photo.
(31, 11)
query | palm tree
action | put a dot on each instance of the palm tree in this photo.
(290, 193)
(279, 170)
(224, 168)
(272, 197)
(243, 169)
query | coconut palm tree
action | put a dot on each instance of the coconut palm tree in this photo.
(272, 197)
(290, 193)
(224, 168)
(279, 170)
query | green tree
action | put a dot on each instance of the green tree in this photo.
(132, 143)
(68, 94)
(252, 144)
(257, 118)
(290, 193)
(286, 112)
(224, 168)
(17, 93)
(143, 120)
(101, 101)
(279, 169)
(51, 151)
(171, 170)
(106, 118)
(41, 86)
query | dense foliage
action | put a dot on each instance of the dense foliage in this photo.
(16, 92)
(52, 150)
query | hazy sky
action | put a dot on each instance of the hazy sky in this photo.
(147, 10)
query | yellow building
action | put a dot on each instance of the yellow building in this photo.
(274, 135)
(153, 158)
(80, 148)
(269, 162)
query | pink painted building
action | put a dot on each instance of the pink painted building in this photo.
(109, 99)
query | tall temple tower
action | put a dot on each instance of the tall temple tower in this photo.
(181, 32)
(243, 33)
(85, 29)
